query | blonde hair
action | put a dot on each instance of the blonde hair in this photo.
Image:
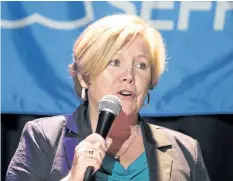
(103, 39)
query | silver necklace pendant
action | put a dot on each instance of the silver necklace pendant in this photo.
(117, 157)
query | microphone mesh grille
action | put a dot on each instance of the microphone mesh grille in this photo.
(111, 103)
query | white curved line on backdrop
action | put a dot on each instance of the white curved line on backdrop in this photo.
(126, 6)
(40, 19)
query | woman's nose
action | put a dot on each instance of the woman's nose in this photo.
(128, 76)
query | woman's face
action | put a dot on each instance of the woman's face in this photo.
(128, 76)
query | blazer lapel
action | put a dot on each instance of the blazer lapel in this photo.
(77, 129)
(71, 138)
(159, 163)
(70, 144)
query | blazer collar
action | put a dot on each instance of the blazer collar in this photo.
(155, 142)
(79, 122)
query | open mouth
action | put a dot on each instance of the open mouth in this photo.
(125, 93)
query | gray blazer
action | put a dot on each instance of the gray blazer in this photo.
(46, 151)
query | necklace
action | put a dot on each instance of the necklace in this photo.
(130, 140)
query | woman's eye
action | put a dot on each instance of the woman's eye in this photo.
(115, 63)
(141, 65)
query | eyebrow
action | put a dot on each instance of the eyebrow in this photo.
(141, 55)
(135, 56)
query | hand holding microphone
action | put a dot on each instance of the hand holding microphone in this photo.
(90, 153)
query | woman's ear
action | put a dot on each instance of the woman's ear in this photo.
(82, 81)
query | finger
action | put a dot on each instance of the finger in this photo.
(98, 156)
(98, 147)
(90, 153)
(86, 153)
(97, 138)
(93, 154)
(80, 165)
(86, 162)
(109, 142)
(87, 146)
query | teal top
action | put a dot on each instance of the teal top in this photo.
(112, 170)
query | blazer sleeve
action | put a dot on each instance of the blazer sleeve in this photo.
(32, 159)
(201, 172)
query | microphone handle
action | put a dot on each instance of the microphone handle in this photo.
(88, 173)
(105, 121)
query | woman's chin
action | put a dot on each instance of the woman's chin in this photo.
(129, 110)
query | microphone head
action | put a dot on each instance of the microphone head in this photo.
(110, 103)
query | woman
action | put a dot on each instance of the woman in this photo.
(119, 55)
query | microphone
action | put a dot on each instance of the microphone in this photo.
(109, 107)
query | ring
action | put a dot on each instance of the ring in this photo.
(91, 152)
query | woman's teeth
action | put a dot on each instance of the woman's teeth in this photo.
(126, 93)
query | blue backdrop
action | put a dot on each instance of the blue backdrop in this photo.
(37, 40)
